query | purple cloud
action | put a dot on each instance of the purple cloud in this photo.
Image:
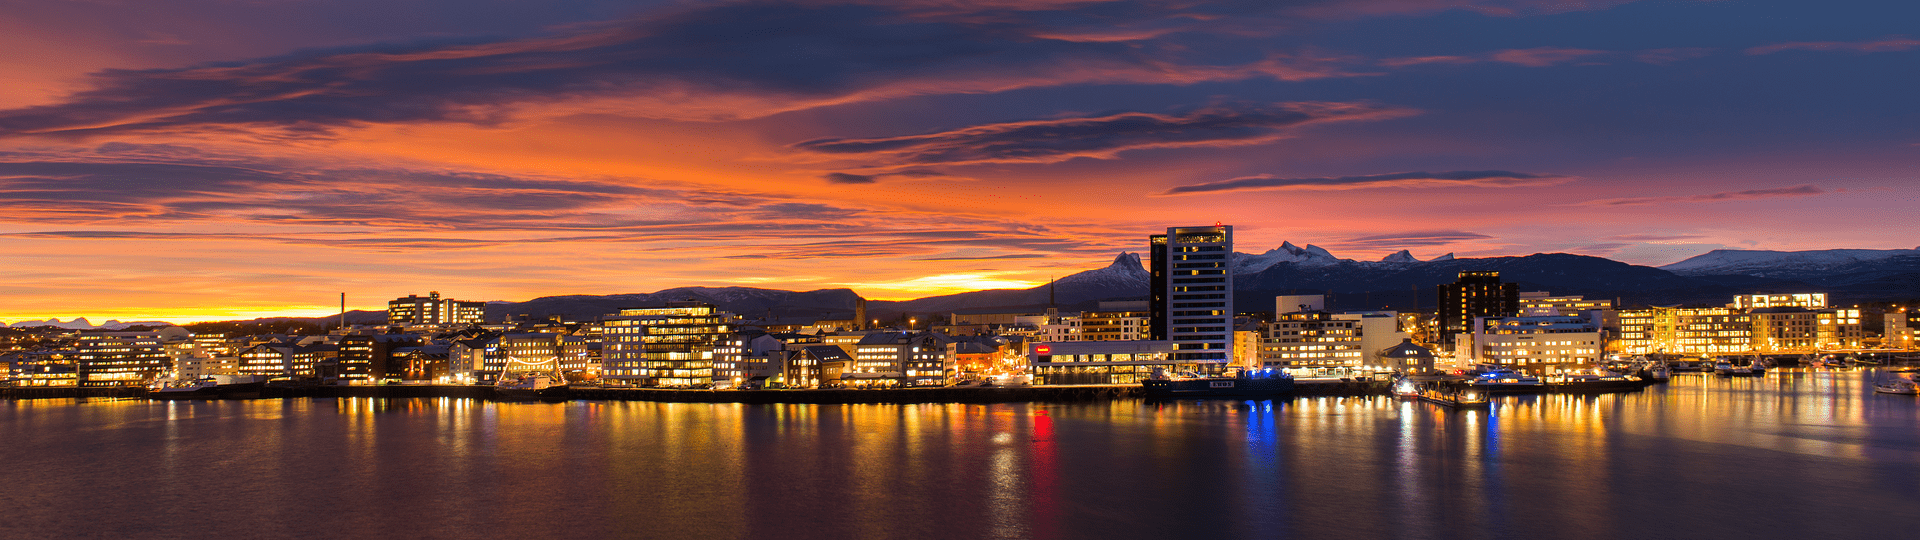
(1484, 179)
(1054, 140)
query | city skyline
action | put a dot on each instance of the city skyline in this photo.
(210, 161)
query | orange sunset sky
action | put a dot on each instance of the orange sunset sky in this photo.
(208, 159)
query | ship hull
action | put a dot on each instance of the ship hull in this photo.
(1217, 388)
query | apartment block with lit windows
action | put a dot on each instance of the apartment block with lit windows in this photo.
(119, 358)
(1116, 321)
(915, 358)
(1689, 331)
(1539, 343)
(1312, 339)
(671, 345)
(431, 310)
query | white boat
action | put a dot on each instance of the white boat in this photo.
(1897, 385)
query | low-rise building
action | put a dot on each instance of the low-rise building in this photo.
(1106, 362)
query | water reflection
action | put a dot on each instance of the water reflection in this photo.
(1793, 454)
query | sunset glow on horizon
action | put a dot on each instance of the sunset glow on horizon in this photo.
(206, 160)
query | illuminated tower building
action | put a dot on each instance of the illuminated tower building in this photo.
(1192, 294)
(1474, 294)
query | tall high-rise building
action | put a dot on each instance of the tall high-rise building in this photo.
(433, 310)
(1192, 292)
(1474, 294)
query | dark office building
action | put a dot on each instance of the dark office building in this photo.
(1475, 294)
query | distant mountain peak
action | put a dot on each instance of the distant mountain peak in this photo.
(1128, 260)
(1402, 256)
(1778, 264)
(1447, 257)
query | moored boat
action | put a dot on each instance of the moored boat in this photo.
(1591, 382)
(1897, 385)
(210, 387)
(1254, 384)
(1507, 381)
(530, 386)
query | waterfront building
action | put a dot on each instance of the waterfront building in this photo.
(1318, 339)
(580, 355)
(1895, 330)
(1315, 339)
(1191, 294)
(910, 358)
(1545, 343)
(1802, 330)
(1688, 331)
(1472, 295)
(120, 358)
(813, 365)
(1408, 357)
(669, 345)
(745, 355)
(1106, 362)
(431, 310)
(521, 353)
(1785, 329)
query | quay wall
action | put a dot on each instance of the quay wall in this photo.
(832, 396)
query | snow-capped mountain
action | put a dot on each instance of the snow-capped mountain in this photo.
(81, 323)
(1781, 264)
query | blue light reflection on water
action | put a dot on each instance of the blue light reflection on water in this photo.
(1793, 455)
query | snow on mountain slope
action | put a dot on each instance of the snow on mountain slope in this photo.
(1764, 263)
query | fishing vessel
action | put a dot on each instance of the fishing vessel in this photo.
(1245, 384)
(209, 387)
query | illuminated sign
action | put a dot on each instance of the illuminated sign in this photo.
(1042, 349)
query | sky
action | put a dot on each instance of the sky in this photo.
(218, 159)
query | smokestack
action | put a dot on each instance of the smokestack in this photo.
(343, 313)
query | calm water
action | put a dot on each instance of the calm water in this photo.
(1793, 455)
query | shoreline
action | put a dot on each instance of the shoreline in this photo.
(807, 396)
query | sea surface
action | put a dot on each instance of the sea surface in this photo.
(1789, 456)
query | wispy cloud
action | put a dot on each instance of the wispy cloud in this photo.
(1054, 140)
(1409, 239)
(1886, 44)
(1534, 57)
(1450, 179)
(1804, 190)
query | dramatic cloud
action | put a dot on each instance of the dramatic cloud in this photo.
(1408, 239)
(1795, 191)
(1049, 141)
(1887, 44)
(1484, 179)
(731, 60)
